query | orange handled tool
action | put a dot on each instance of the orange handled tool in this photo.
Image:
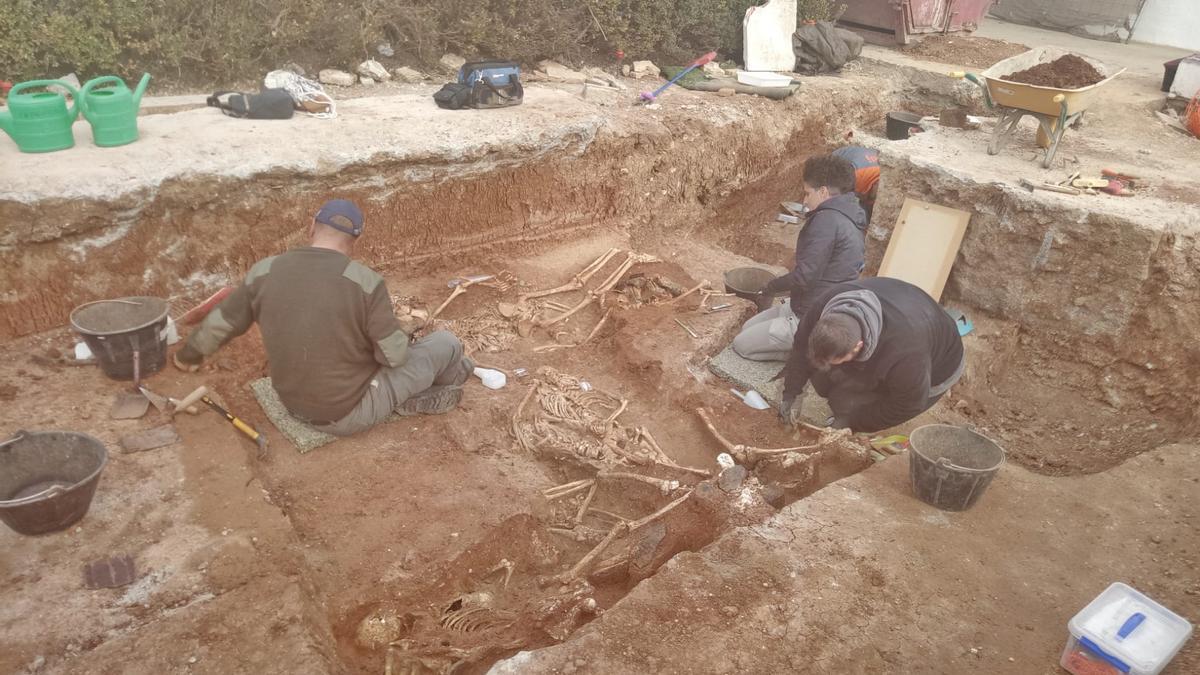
(241, 426)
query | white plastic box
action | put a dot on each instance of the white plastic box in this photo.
(1123, 631)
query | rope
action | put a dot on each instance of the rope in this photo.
(303, 91)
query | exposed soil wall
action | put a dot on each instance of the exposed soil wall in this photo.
(193, 232)
(1095, 302)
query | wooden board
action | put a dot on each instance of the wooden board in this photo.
(924, 244)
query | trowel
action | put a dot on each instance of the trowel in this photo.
(170, 406)
(131, 404)
(752, 398)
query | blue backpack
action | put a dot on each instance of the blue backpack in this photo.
(483, 84)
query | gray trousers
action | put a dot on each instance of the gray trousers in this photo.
(434, 360)
(768, 335)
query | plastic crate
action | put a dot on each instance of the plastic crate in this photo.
(1123, 631)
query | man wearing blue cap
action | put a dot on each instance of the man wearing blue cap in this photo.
(338, 356)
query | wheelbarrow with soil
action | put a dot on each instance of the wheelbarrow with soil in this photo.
(1052, 85)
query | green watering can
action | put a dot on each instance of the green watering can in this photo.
(40, 121)
(112, 111)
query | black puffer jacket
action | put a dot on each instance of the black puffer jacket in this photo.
(918, 347)
(829, 251)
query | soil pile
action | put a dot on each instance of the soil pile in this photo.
(1065, 72)
(963, 50)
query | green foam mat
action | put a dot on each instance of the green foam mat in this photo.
(303, 436)
(746, 374)
(757, 375)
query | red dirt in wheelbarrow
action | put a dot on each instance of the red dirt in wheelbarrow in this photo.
(1065, 72)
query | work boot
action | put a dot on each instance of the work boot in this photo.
(435, 400)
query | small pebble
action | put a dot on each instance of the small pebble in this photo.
(192, 659)
(729, 611)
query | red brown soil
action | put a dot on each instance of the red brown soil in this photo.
(1065, 72)
(963, 50)
(407, 515)
(454, 481)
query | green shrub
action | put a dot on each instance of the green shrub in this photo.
(223, 41)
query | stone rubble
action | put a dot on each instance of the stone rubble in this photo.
(406, 74)
(557, 72)
(335, 77)
(374, 70)
(642, 69)
(452, 62)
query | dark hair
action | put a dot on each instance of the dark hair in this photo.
(835, 173)
(836, 334)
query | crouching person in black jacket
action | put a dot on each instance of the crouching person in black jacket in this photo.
(880, 350)
(829, 250)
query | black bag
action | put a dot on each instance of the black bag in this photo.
(483, 84)
(453, 96)
(824, 48)
(268, 104)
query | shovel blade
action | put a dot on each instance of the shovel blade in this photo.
(129, 406)
(160, 403)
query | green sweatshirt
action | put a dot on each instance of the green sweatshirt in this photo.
(327, 324)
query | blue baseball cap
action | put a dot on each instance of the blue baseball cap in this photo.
(341, 215)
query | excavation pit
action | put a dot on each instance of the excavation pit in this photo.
(251, 564)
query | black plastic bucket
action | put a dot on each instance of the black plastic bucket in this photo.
(900, 125)
(48, 479)
(747, 282)
(117, 330)
(951, 466)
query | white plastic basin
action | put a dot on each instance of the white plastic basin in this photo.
(763, 79)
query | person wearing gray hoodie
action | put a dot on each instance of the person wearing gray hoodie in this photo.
(829, 250)
(880, 350)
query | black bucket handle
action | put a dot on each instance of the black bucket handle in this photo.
(16, 437)
(50, 492)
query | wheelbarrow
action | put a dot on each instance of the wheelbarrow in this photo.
(1054, 109)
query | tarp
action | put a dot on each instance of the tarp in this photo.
(1104, 19)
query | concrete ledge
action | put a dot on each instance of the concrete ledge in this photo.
(205, 143)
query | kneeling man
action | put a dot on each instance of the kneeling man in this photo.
(880, 350)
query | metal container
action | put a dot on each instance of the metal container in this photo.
(897, 21)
